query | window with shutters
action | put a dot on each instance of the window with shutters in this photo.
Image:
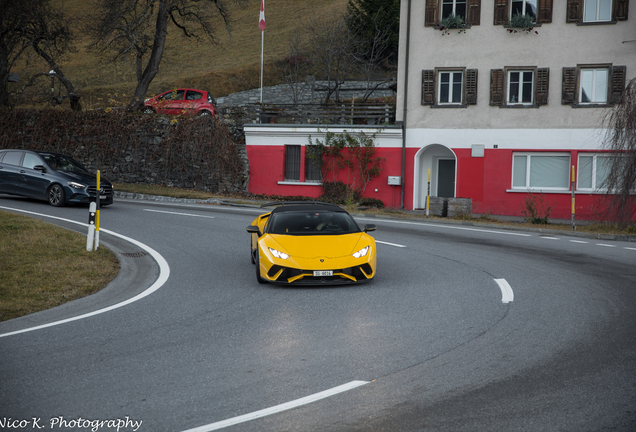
(449, 87)
(584, 12)
(539, 11)
(468, 10)
(519, 87)
(593, 85)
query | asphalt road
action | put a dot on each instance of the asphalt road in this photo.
(438, 342)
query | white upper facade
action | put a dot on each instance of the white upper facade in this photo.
(559, 75)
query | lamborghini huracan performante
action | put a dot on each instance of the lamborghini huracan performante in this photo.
(311, 243)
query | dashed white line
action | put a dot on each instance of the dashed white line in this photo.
(507, 295)
(579, 241)
(179, 214)
(391, 244)
(279, 408)
(628, 248)
(605, 245)
(164, 273)
(549, 238)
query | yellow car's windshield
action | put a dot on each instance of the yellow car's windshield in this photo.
(312, 223)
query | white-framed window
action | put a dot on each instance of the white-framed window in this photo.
(593, 86)
(450, 87)
(454, 7)
(592, 172)
(524, 7)
(520, 87)
(597, 10)
(541, 171)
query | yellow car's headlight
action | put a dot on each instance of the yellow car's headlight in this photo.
(362, 252)
(278, 254)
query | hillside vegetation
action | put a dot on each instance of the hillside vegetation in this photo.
(232, 65)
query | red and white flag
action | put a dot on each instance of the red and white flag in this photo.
(261, 21)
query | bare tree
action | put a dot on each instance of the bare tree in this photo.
(293, 66)
(369, 53)
(620, 183)
(330, 44)
(34, 24)
(127, 28)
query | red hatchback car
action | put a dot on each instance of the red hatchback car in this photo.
(181, 102)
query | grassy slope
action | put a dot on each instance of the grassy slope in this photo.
(232, 65)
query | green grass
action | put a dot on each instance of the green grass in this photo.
(43, 266)
(230, 66)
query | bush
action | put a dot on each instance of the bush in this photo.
(371, 202)
(338, 193)
(536, 211)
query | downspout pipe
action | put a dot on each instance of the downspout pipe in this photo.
(406, 92)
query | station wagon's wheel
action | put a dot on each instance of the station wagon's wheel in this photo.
(205, 113)
(259, 279)
(56, 195)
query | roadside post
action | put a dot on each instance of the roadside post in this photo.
(428, 194)
(573, 224)
(97, 200)
(90, 238)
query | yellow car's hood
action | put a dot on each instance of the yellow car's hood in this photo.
(320, 246)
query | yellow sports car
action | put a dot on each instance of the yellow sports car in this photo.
(311, 243)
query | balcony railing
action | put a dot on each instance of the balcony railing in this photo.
(335, 113)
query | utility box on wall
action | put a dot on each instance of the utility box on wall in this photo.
(395, 180)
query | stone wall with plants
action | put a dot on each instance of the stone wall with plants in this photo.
(195, 153)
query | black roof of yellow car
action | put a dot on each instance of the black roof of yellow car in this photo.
(288, 206)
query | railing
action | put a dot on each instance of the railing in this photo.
(371, 114)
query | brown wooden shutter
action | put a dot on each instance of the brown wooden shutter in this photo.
(543, 83)
(471, 87)
(568, 92)
(574, 11)
(428, 87)
(617, 83)
(545, 12)
(620, 9)
(474, 12)
(501, 12)
(431, 14)
(496, 87)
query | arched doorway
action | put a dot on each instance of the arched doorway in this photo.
(442, 162)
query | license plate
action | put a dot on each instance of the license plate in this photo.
(323, 272)
(103, 196)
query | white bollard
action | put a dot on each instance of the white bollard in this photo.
(90, 239)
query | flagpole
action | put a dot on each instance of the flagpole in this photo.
(262, 47)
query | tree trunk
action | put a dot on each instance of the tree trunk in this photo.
(155, 58)
(73, 97)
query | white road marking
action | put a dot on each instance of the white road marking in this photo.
(278, 408)
(391, 244)
(445, 226)
(506, 291)
(579, 241)
(628, 248)
(605, 245)
(164, 273)
(549, 238)
(180, 214)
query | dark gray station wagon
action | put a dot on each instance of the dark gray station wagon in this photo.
(56, 178)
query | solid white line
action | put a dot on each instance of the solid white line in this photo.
(445, 226)
(278, 408)
(390, 244)
(605, 245)
(506, 291)
(164, 273)
(180, 214)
